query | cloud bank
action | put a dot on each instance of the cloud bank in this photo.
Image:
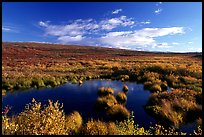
(115, 32)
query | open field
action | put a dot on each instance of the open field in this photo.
(26, 65)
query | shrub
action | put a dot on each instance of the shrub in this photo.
(125, 88)
(35, 120)
(105, 102)
(118, 112)
(73, 123)
(121, 97)
(95, 128)
(105, 91)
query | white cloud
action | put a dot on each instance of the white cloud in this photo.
(143, 37)
(43, 24)
(158, 11)
(109, 24)
(6, 29)
(158, 3)
(175, 43)
(190, 42)
(145, 22)
(9, 29)
(66, 39)
(116, 11)
(156, 32)
(80, 27)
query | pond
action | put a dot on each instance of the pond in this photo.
(83, 97)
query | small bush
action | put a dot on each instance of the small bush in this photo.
(95, 128)
(35, 120)
(121, 97)
(118, 112)
(73, 123)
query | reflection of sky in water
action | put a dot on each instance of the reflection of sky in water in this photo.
(82, 98)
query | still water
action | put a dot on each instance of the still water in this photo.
(83, 97)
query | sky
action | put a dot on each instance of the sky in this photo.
(143, 26)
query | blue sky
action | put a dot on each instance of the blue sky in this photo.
(146, 26)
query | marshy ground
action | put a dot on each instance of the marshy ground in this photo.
(26, 65)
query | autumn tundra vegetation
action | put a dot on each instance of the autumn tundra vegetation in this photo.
(37, 65)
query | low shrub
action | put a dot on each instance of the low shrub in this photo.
(73, 123)
(95, 128)
(35, 120)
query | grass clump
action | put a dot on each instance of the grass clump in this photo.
(155, 88)
(125, 88)
(118, 112)
(74, 81)
(105, 91)
(175, 107)
(121, 97)
(105, 102)
(3, 92)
